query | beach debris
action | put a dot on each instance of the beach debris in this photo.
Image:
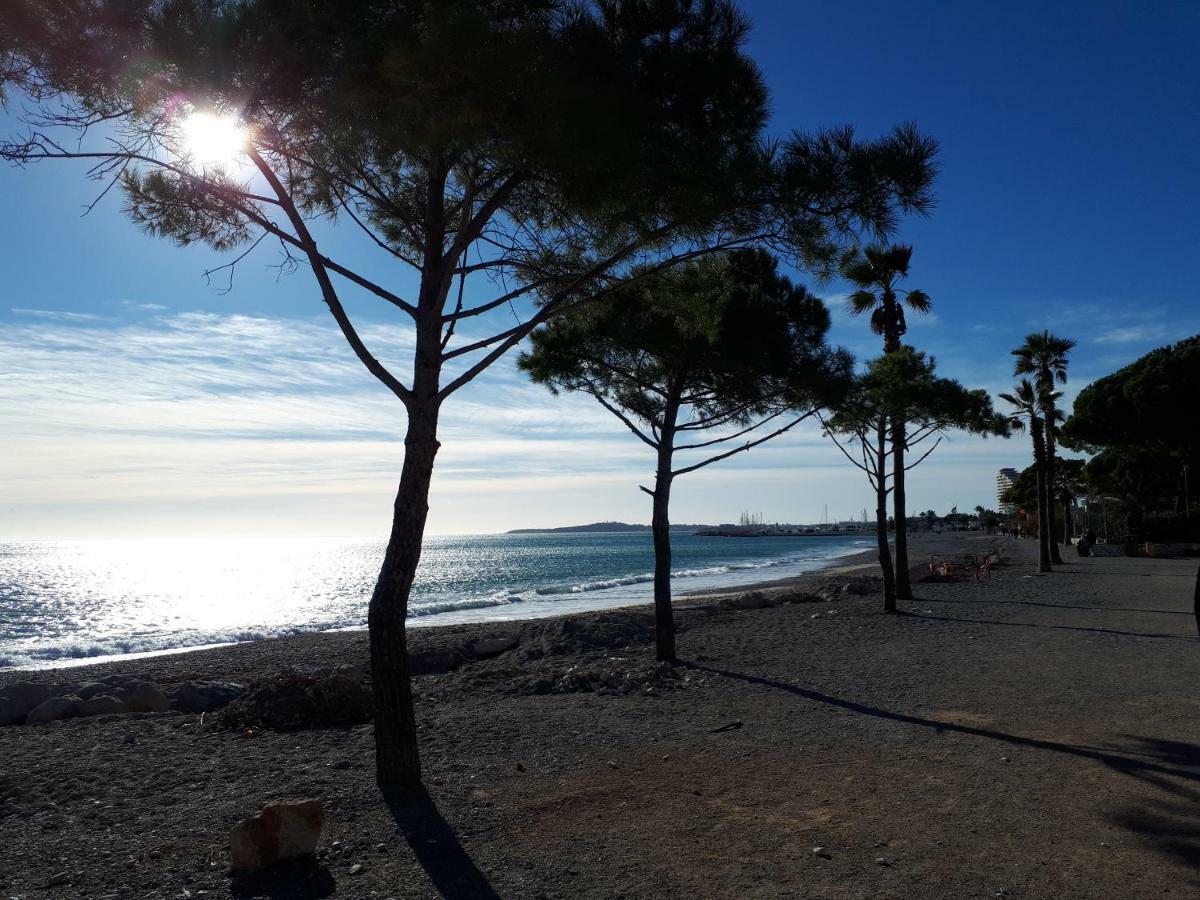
(748, 600)
(728, 726)
(580, 635)
(291, 701)
(53, 710)
(17, 700)
(608, 677)
(487, 647)
(206, 696)
(281, 831)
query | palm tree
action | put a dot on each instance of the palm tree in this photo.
(1044, 356)
(876, 273)
(1027, 406)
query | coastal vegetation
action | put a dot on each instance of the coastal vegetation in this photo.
(901, 398)
(1139, 423)
(717, 356)
(569, 151)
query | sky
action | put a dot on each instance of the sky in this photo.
(139, 399)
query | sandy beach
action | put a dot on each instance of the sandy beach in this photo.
(1017, 736)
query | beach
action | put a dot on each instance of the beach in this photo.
(1020, 735)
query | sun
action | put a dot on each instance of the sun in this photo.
(212, 139)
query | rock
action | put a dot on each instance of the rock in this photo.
(281, 831)
(54, 709)
(205, 696)
(485, 648)
(356, 868)
(822, 852)
(90, 689)
(58, 880)
(142, 696)
(101, 705)
(17, 700)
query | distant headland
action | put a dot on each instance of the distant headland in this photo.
(600, 527)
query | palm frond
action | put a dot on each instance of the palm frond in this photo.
(919, 301)
(860, 302)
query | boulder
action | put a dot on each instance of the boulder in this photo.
(101, 705)
(487, 647)
(17, 700)
(90, 689)
(281, 831)
(205, 696)
(66, 707)
(142, 696)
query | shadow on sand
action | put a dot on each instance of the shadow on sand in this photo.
(437, 848)
(1081, 628)
(1170, 825)
(304, 879)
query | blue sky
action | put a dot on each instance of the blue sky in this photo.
(136, 399)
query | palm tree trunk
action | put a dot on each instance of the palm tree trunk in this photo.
(1039, 459)
(1055, 556)
(881, 530)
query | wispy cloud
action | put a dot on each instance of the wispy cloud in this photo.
(1147, 333)
(57, 314)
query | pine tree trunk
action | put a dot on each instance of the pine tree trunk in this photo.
(397, 757)
(903, 588)
(397, 760)
(660, 526)
(664, 618)
(881, 532)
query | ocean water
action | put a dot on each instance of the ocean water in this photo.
(77, 601)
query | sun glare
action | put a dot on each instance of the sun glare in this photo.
(213, 140)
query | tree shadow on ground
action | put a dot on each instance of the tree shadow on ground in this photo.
(1171, 825)
(303, 879)
(1120, 760)
(1128, 609)
(968, 621)
(436, 846)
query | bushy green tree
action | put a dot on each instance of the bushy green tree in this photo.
(499, 156)
(1140, 423)
(716, 356)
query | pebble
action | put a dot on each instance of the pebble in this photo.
(58, 880)
(356, 868)
(882, 861)
(822, 852)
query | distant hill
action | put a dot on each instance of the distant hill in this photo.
(599, 527)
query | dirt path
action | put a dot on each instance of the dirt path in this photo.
(1023, 736)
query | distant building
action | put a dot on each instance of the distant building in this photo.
(1005, 479)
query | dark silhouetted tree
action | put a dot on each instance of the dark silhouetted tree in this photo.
(1028, 407)
(716, 357)
(876, 273)
(503, 159)
(902, 387)
(1044, 357)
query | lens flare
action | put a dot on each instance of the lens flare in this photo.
(211, 139)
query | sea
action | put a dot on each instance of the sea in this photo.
(73, 602)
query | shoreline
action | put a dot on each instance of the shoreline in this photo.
(835, 565)
(257, 659)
